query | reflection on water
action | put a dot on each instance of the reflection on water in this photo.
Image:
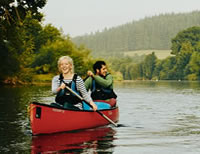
(161, 117)
(172, 85)
(79, 141)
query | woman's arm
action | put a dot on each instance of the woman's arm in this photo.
(81, 87)
(55, 86)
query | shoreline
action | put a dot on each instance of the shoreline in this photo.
(116, 81)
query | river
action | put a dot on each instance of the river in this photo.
(157, 117)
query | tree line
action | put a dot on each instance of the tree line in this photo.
(28, 48)
(183, 65)
(148, 33)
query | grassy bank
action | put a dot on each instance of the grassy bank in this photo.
(161, 54)
(42, 79)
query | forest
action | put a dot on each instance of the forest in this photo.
(184, 64)
(149, 33)
(29, 50)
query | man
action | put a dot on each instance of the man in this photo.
(100, 83)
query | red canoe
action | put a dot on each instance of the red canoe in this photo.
(45, 119)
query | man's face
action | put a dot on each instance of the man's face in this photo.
(102, 71)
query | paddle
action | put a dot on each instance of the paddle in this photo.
(103, 115)
(86, 78)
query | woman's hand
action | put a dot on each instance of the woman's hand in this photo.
(62, 86)
(94, 107)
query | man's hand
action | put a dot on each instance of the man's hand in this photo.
(90, 73)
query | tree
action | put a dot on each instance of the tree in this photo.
(183, 45)
(52, 51)
(12, 11)
(148, 33)
(48, 33)
(136, 71)
(167, 72)
(194, 66)
(149, 65)
(182, 60)
(14, 40)
(190, 35)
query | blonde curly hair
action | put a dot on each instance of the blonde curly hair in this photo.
(70, 61)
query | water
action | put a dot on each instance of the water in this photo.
(160, 117)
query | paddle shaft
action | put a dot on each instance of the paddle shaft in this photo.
(103, 115)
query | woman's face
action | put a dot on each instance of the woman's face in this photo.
(65, 66)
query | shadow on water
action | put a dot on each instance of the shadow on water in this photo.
(14, 122)
(89, 141)
(122, 125)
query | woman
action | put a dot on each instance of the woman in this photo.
(68, 78)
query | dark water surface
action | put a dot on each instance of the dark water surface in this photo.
(160, 117)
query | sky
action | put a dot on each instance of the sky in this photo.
(80, 17)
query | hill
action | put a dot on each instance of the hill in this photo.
(149, 33)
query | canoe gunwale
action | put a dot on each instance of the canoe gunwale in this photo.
(48, 105)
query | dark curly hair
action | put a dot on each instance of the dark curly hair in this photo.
(98, 65)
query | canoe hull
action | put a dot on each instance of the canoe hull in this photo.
(45, 119)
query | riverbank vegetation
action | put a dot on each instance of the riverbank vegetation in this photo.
(27, 48)
(29, 51)
(182, 65)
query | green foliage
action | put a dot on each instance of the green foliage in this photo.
(136, 71)
(186, 40)
(149, 33)
(184, 45)
(25, 75)
(12, 10)
(16, 43)
(194, 66)
(165, 70)
(46, 35)
(29, 50)
(160, 54)
(149, 66)
(50, 53)
(8, 62)
(184, 65)
(42, 78)
(27, 47)
(192, 77)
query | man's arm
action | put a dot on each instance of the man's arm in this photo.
(88, 83)
(107, 82)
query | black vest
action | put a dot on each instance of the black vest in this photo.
(101, 93)
(65, 95)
